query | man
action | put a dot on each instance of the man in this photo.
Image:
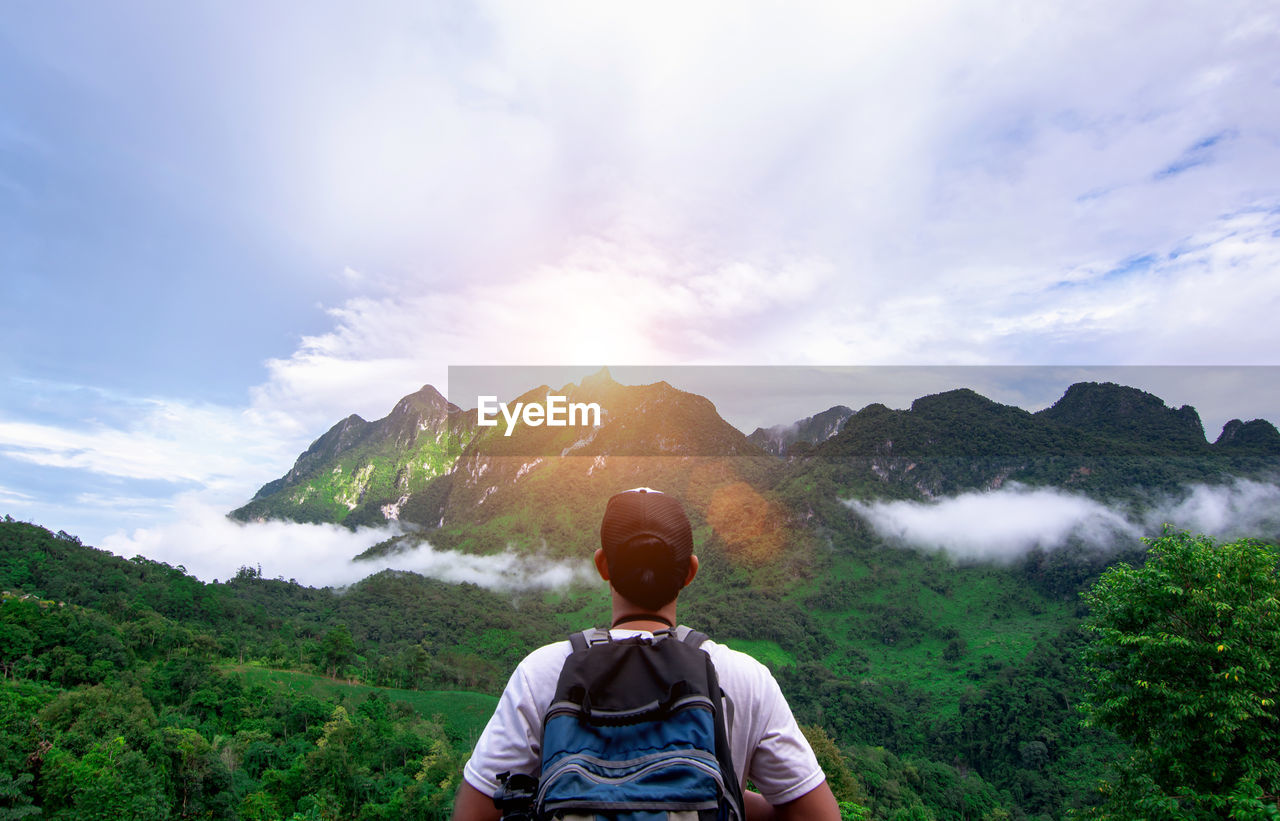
(646, 555)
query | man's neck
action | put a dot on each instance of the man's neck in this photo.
(642, 622)
(631, 616)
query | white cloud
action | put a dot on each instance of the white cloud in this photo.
(1003, 524)
(999, 524)
(614, 303)
(876, 184)
(9, 496)
(1239, 509)
(209, 545)
(116, 459)
(170, 441)
(508, 570)
(603, 302)
(913, 183)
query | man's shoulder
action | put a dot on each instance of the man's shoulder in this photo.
(548, 655)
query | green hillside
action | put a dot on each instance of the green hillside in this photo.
(246, 667)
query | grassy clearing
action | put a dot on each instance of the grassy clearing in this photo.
(763, 651)
(463, 714)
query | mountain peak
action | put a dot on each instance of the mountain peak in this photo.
(600, 379)
(1128, 413)
(393, 455)
(426, 400)
(812, 430)
(957, 399)
(1257, 434)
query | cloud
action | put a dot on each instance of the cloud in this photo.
(996, 525)
(167, 440)
(803, 185)
(1243, 508)
(603, 302)
(505, 571)
(1196, 155)
(9, 496)
(210, 546)
(619, 302)
(890, 184)
(1005, 523)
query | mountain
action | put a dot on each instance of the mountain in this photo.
(363, 472)
(543, 487)
(1105, 440)
(1127, 414)
(781, 439)
(484, 488)
(1257, 435)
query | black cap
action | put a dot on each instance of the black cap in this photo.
(646, 512)
(647, 543)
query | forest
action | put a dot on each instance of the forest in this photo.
(134, 690)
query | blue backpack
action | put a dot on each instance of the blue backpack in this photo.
(636, 731)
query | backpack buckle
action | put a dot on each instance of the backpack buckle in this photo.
(516, 795)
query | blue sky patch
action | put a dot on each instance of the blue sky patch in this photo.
(1132, 265)
(1198, 154)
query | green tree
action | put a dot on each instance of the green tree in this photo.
(1184, 664)
(198, 778)
(15, 797)
(844, 784)
(339, 649)
(110, 782)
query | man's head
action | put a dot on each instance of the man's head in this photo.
(648, 546)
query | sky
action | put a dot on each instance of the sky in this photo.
(225, 226)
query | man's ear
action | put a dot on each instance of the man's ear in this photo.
(693, 570)
(602, 564)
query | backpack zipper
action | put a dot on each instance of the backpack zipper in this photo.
(571, 763)
(573, 708)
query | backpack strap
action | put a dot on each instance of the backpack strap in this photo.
(689, 636)
(695, 638)
(583, 639)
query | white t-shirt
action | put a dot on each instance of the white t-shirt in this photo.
(766, 742)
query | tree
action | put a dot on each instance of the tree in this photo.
(339, 650)
(1185, 665)
(15, 797)
(844, 784)
(110, 782)
(16, 643)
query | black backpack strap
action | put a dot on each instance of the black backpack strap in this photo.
(724, 719)
(689, 636)
(585, 638)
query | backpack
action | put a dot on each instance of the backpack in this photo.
(637, 730)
